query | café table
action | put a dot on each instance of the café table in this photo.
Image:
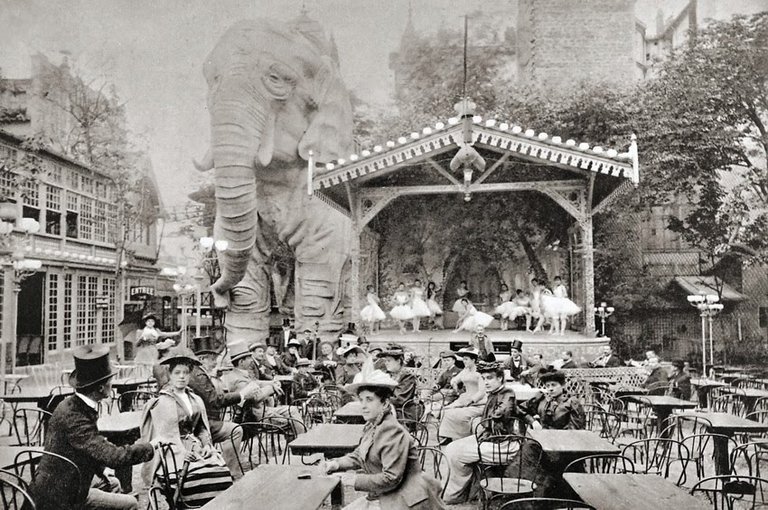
(748, 395)
(351, 412)
(726, 425)
(279, 486)
(35, 395)
(564, 446)
(621, 390)
(630, 491)
(8, 455)
(286, 383)
(704, 387)
(330, 439)
(729, 378)
(121, 429)
(662, 405)
(12, 381)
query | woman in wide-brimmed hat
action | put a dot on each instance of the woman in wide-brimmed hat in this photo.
(458, 414)
(147, 339)
(178, 417)
(387, 454)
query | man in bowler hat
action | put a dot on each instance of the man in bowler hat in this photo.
(72, 433)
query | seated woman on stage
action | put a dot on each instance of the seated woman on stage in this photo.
(471, 318)
(391, 474)
(177, 416)
(461, 293)
(458, 414)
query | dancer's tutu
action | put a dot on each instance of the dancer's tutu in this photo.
(475, 320)
(402, 313)
(419, 308)
(552, 306)
(434, 308)
(372, 313)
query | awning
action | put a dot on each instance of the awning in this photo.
(698, 285)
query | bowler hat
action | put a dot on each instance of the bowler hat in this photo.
(202, 345)
(238, 349)
(91, 366)
(307, 330)
(517, 345)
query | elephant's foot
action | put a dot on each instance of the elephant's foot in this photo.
(220, 299)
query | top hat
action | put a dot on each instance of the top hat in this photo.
(551, 374)
(351, 326)
(202, 345)
(287, 322)
(517, 345)
(238, 349)
(91, 366)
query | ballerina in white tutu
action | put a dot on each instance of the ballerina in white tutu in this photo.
(558, 307)
(372, 313)
(436, 313)
(461, 293)
(418, 305)
(471, 318)
(536, 311)
(504, 307)
(401, 312)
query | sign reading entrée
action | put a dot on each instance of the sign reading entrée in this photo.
(142, 292)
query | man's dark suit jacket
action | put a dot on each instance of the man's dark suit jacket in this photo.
(72, 433)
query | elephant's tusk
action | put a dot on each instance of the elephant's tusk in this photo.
(206, 164)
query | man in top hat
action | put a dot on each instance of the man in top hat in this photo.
(449, 363)
(286, 334)
(205, 382)
(519, 367)
(406, 381)
(72, 433)
(503, 412)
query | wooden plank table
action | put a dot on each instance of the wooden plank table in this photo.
(278, 486)
(727, 425)
(631, 492)
(662, 405)
(351, 412)
(330, 439)
(8, 455)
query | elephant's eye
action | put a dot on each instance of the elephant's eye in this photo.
(279, 81)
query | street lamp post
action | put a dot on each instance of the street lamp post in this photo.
(603, 311)
(708, 307)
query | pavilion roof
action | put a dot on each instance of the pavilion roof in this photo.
(492, 134)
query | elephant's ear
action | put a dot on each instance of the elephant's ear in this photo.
(267, 143)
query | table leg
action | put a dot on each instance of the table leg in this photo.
(662, 416)
(722, 462)
(703, 394)
(337, 496)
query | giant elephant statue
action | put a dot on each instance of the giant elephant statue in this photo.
(274, 95)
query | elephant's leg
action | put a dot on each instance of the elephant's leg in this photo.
(248, 315)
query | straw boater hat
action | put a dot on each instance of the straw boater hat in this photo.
(237, 350)
(369, 377)
(91, 366)
(256, 345)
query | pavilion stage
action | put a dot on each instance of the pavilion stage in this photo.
(430, 343)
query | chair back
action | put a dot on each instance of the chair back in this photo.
(417, 430)
(14, 497)
(134, 400)
(27, 462)
(730, 403)
(731, 491)
(317, 410)
(412, 409)
(546, 504)
(605, 423)
(504, 461)
(56, 395)
(435, 463)
(654, 456)
(29, 425)
(603, 464)
(264, 442)
(746, 458)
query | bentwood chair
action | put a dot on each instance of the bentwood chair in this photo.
(603, 463)
(501, 468)
(655, 455)
(728, 492)
(606, 424)
(418, 431)
(435, 463)
(546, 504)
(14, 497)
(263, 442)
(29, 425)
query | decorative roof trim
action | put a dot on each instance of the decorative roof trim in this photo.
(529, 143)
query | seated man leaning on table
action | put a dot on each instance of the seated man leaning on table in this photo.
(304, 383)
(657, 381)
(257, 408)
(449, 362)
(72, 433)
(502, 409)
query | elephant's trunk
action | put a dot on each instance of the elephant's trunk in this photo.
(236, 132)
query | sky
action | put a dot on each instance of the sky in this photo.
(152, 50)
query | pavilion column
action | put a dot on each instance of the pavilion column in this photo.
(588, 259)
(354, 253)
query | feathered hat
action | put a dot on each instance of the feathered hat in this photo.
(370, 377)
